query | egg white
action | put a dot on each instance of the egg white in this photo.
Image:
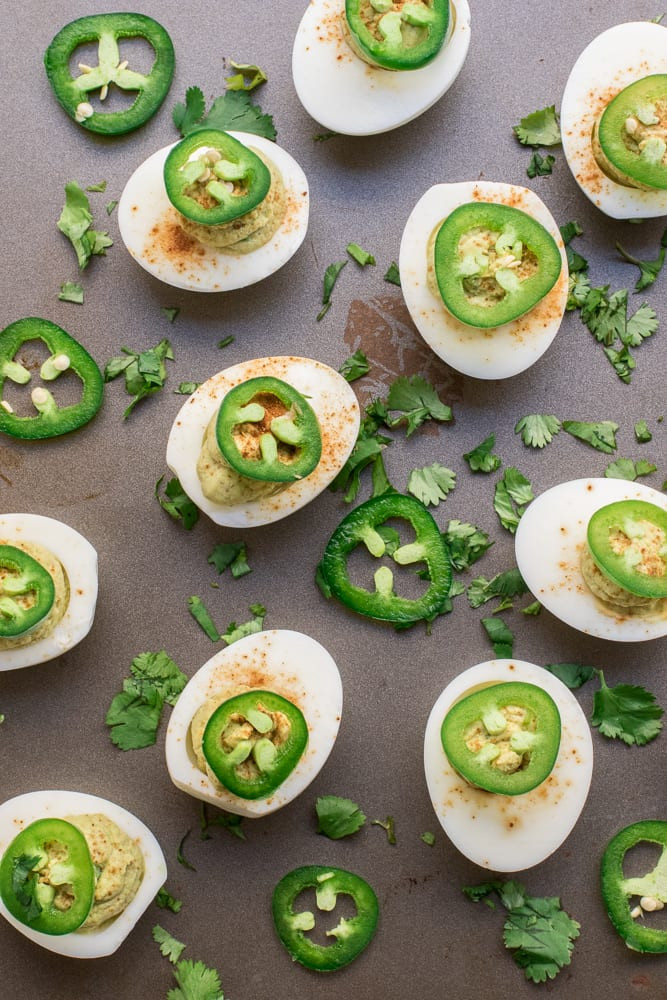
(508, 833)
(146, 218)
(616, 58)
(549, 541)
(347, 95)
(331, 398)
(17, 813)
(486, 354)
(79, 560)
(288, 663)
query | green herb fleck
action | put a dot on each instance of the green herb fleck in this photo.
(102, 186)
(540, 166)
(226, 341)
(338, 817)
(600, 434)
(230, 555)
(134, 714)
(626, 468)
(110, 206)
(512, 494)
(169, 946)
(648, 269)
(166, 901)
(233, 110)
(202, 616)
(642, 433)
(392, 274)
(501, 637)
(145, 372)
(228, 821)
(388, 826)
(177, 503)
(330, 278)
(573, 675)
(170, 312)
(247, 77)
(537, 429)
(540, 128)
(362, 257)
(481, 459)
(626, 712)
(428, 838)
(70, 291)
(256, 624)
(75, 223)
(466, 543)
(180, 856)
(186, 388)
(355, 366)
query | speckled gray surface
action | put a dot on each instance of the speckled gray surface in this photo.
(430, 940)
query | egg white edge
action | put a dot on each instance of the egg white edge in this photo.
(214, 271)
(477, 827)
(540, 530)
(312, 378)
(485, 354)
(18, 812)
(79, 560)
(344, 93)
(296, 660)
(609, 60)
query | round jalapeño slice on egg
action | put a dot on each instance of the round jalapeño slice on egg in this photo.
(212, 178)
(253, 742)
(266, 429)
(397, 36)
(630, 137)
(493, 263)
(27, 592)
(628, 543)
(503, 738)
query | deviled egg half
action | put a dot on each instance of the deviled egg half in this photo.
(48, 572)
(240, 720)
(342, 89)
(478, 253)
(324, 406)
(110, 867)
(511, 832)
(613, 126)
(553, 555)
(216, 211)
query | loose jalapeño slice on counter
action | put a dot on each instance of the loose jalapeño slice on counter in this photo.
(650, 889)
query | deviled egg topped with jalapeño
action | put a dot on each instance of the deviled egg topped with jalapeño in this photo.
(614, 121)
(261, 439)
(484, 276)
(216, 211)
(361, 68)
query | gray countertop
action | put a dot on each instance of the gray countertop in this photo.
(431, 940)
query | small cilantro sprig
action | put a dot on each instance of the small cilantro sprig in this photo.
(177, 503)
(642, 433)
(537, 429)
(392, 274)
(169, 946)
(416, 401)
(361, 256)
(71, 291)
(202, 616)
(145, 372)
(234, 110)
(573, 675)
(504, 585)
(627, 712)
(598, 434)
(540, 128)
(166, 901)
(134, 714)
(338, 817)
(502, 638)
(354, 367)
(540, 166)
(75, 223)
(627, 468)
(232, 556)
(431, 484)
(512, 495)
(648, 269)
(481, 458)
(255, 624)
(540, 933)
(466, 543)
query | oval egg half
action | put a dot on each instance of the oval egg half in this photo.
(335, 406)
(288, 663)
(508, 833)
(19, 812)
(549, 542)
(486, 354)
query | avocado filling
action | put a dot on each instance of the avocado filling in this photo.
(503, 738)
(492, 265)
(224, 485)
(252, 740)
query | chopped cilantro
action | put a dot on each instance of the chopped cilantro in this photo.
(247, 76)
(170, 312)
(226, 341)
(506, 585)
(626, 468)
(186, 388)
(166, 901)
(102, 186)
(169, 946)
(512, 494)
(195, 982)
(388, 825)
(180, 856)
(355, 366)
(362, 257)
(177, 503)
(202, 616)
(573, 675)
(145, 372)
(481, 459)
(234, 111)
(417, 401)
(324, 136)
(338, 817)
(134, 714)
(642, 433)
(532, 609)
(230, 555)
(256, 624)
(466, 543)
(330, 278)
(501, 637)
(228, 821)
(110, 206)
(75, 223)
(431, 484)
(540, 933)
(540, 166)
(641, 325)
(626, 712)
(70, 291)
(367, 451)
(540, 128)
(648, 269)
(428, 838)
(392, 274)
(622, 362)
(600, 435)
(537, 429)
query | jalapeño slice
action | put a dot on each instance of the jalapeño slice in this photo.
(397, 36)
(650, 889)
(267, 430)
(628, 542)
(27, 592)
(212, 178)
(630, 137)
(493, 263)
(503, 738)
(253, 742)
(351, 934)
(47, 879)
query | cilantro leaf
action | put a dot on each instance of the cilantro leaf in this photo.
(362, 257)
(71, 291)
(110, 205)
(169, 946)
(134, 714)
(642, 433)
(606, 316)
(102, 186)
(626, 468)
(600, 435)
(428, 837)
(75, 223)
(466, 543)
(540, 128)
(158, 670)
(228, 821)
(330, 279)
(417, 401)
(533, 608)
(195, 982)
(481, 459)
(573, 675)
(626, 712)
(187, 388)
(170, 312)
(537, 429)
(366, 451)
(501, 637)
(540, 166)
(355, 366)
(145, 372)
(247, 77)
(338, 817)
(202, 616)
(432, 483)
(512, 493)
(648, 269)
(579, 286)
(508, 584)
(392, 274)
(622, 362)
(166, 901)
(185, 116)
(569, 230)
(230, 555)
(641, 325)
(177, 503)
(256, 624)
